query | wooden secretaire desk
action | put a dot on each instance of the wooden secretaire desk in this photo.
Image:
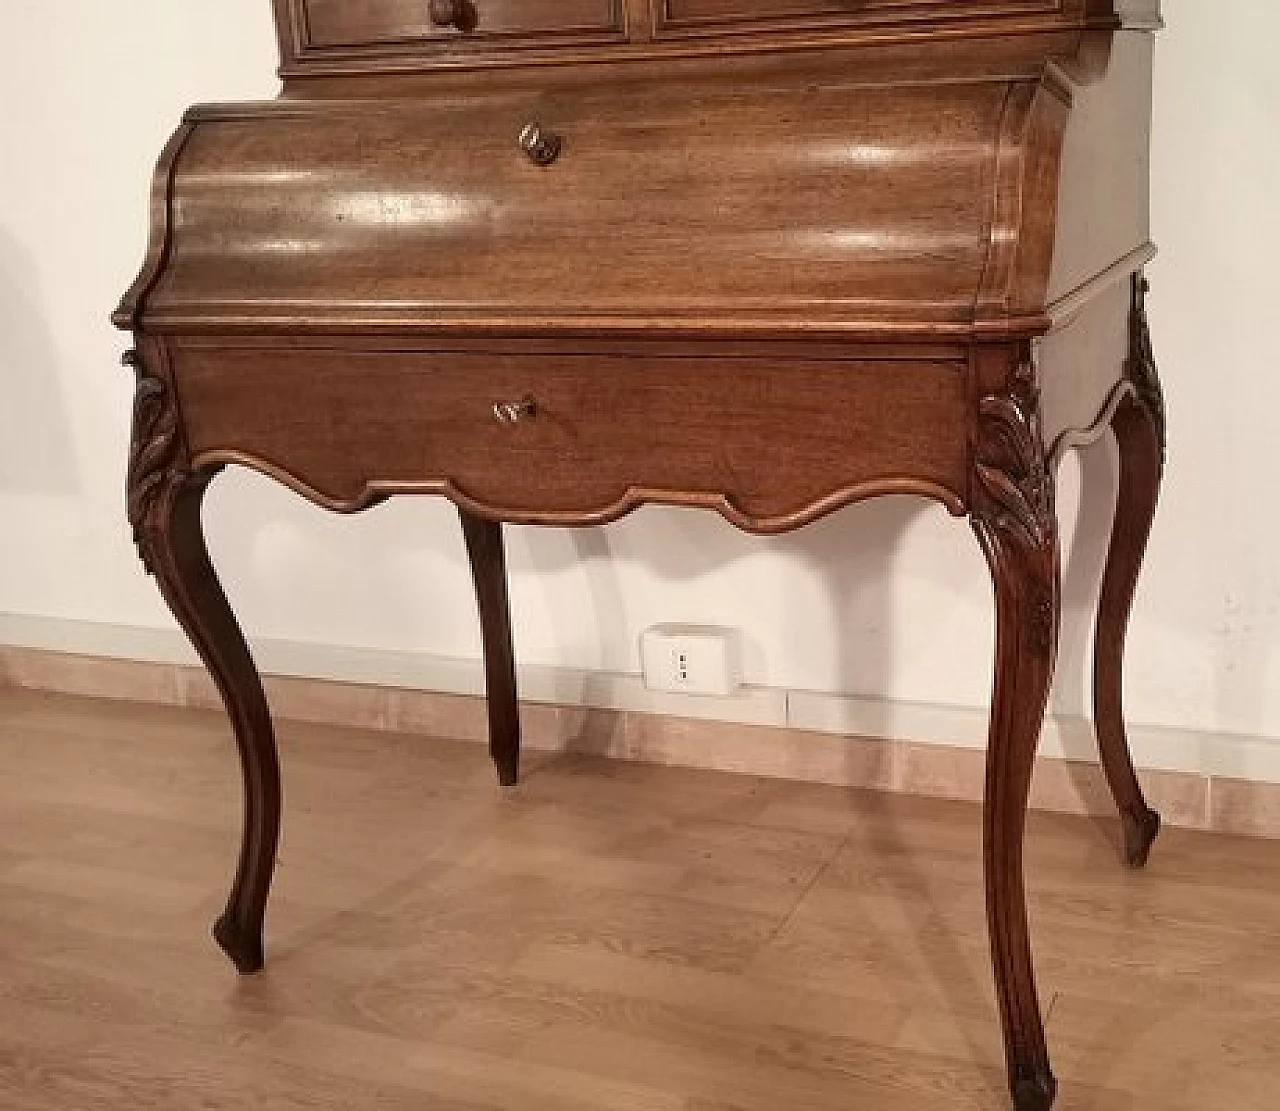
(558, 258)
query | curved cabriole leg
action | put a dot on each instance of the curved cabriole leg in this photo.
(164, 508)
(1013, 516)
(178, 557)
(1135, 508)
(1139, 430)
(489, 570)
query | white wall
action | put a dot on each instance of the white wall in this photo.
(888, 600)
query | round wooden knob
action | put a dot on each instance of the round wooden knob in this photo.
(453, 13)
(542, 146)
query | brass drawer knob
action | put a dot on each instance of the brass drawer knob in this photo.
(542, 147)
(515, 412)
(460, 14)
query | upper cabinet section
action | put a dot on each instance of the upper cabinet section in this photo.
(320, 37)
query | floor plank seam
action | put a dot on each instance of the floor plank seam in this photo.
(760, 944)
(1053, 1003)
(795, 908)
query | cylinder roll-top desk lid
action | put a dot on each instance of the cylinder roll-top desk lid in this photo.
(462, 164)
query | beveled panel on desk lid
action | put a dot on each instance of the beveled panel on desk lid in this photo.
(790, 204)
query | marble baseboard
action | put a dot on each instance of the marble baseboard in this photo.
(1185, 799)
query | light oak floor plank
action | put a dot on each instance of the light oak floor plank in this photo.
(607, 937)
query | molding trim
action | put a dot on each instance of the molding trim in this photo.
(1200, 779)
(1066, 737)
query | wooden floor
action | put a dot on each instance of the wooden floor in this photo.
(606, 937)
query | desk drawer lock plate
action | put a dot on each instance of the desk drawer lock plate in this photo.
(542, 146)
(515, 412)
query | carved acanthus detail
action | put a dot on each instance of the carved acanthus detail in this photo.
(1013, 493)
(1141, 365)
(1014, 490)
(154, 451)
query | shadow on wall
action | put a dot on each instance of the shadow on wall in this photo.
(1082, 568)
(35, 440)
(854, 549)
(857, 551)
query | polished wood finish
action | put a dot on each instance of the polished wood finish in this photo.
(613, 937)
(322, 37)
(455, 22)
(1139, 426)
(165, 498)
(762, 441)
(489, 570)
(1015, 522)
(721, 197)
(558, 260)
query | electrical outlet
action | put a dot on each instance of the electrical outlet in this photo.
(691, 659)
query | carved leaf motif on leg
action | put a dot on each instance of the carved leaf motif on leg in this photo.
(1014, 491)
(1010, 460)
(1141, 367)
(154, 451)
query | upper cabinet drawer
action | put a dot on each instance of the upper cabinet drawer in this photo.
(693, 17)
(442, 26)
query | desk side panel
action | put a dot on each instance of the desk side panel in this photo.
(1082, 364)
(1104, 208)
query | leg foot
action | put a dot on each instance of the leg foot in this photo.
(164, 500)
(1034, 1089)
(1139, 430)
(508, 771)
(1140, 832)
(489, 570)
(242, 944)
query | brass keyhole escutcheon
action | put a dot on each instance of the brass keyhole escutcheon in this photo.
(515, 412)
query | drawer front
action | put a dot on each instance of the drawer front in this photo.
(454, 24)
(580, 438)
(684, 17)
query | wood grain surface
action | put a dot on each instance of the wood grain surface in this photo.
(769, 443)
(610, 937)
(351, 36)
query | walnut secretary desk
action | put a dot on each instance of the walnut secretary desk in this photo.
(555, 259)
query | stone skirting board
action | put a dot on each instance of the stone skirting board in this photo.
(1187, 799)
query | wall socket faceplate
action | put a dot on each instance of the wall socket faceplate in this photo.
(691, 659)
